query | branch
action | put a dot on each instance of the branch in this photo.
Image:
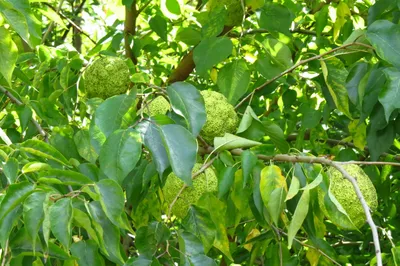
(51, 26)
(19, 103)
(256, 31)
(131, 13)
(302, 62)
(143, 7)
(337, 165)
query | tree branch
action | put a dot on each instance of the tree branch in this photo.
(302, 62)
(131, 14)
(19, 103)
(51, 26)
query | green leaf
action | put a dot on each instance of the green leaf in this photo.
(379, 141)
(229, 142)
(293, 189)
(25, 114)
(215, 23)
(34, 167)
(187, 102)
(384, 37)
(170, 8)
(15, 195)
(198, 222)
(354, 82)
(189, 35)
(189, 245)
(275, 18)
(374, 85)
(44, 150)
(87, 253)
(148, 238)
(249, 161)
(210, 52)
(53, 16)
(250, 126)
(16, 20)
(201, 260)
(181, 148)
(108, 232)
(33, 214)
(273, 190)
(389, 96)
(299, 216)
(321, 19)
(225, 180)
(84, 146)
(120, 154)
(396, 255)
(109, 114)
(7, 224)
(112, 199)
(8, 55)
(64, 177)
(335, 75)
(159, 25)
(233, 80)
(60, 220)
(82, 219)
(11, 169)
(277, 136)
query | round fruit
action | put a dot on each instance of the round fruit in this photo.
(158, 106)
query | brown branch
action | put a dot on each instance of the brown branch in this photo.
(19, 103)
(302, 62)
(131, 13)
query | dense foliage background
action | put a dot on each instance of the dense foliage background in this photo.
(81, 177)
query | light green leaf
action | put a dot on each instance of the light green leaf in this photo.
(8, 55)
(53, 16)
(35, 167)
(84, 146)
(65, 177)
(120, 153)
(44, 150)
(61, 219)
(16, 19)
(82, 219)
(298, 217)
(229, 142)
(293, 189)
(112, 199)
(210, 52)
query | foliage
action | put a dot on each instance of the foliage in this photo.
(264, 97)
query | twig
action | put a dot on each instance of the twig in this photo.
(4, 254)
(143, 7)
(302, 62)
(51, 26)
(201, 170)
(19, 103)
(131, 14)
(369, 163)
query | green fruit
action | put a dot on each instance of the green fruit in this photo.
(344, 192)
(158, 106)
(205, 182)
(234, 10)
(106, 77)
(221, 116)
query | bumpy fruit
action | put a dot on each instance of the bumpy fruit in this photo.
(158, 106)
(205, 182)
(234, 10)
(221, 116)
(106, 77)
(344, 192)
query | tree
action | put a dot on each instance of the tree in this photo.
(253, 132)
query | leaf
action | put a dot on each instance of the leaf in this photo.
(159, 25)
(189, 35)
(225, 180)
(215, 23)
(87, 253)
(33, 214)
(53, 16)
(16, 194)
(120, 154)
(233, 80)
(396, 255)
(181, 148)
(8, 55)
(109, 114)
(201, 260)
(299, 216)
(189, 245)
(85, 149)
(275, 18)
(148, 238)
(60, 221)
(229, 142)
(250, 126)
(111, 199)
(374, 85)
(170, 8)
(249, 161)
(279, 53)
(81, 219)
(25, 114)
(64, 177)
(108, 232)
(34, 167)
(273, 190)
(187, 102)
(380, 141)
(277, 136)
(7, 224)
(293, 189)
(153, 141)
(210, 52)
(335, 75)
(358, 131)
(384, 37)
(389, 96)
(353, 82)
(198, 222)
(44, 150)
(16, 19)
(11, 169)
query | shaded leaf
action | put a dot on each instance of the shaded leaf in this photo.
(33, 214)
(15, 195)
(298, 216)
(87, 253)
(389, 97)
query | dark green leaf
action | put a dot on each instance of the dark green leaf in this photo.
(215, 23)
(181, 148)
(201, 260)
(15, 195)
(25, 115)
(233, 80)
(64, 177)
(210, 52)
(85, 149)
(7, 224)
(389, 97)
(186, 101)
(120, 153)
(61, 219)
(159, 25)
(275, 18)
(189, 245)
(249, 161)
(44, 150)
(380, 141)
(250, 126)
(111, 198)
(10, 170)
(225, 180)
(87, 253)
(148, 238)
(33, 214)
